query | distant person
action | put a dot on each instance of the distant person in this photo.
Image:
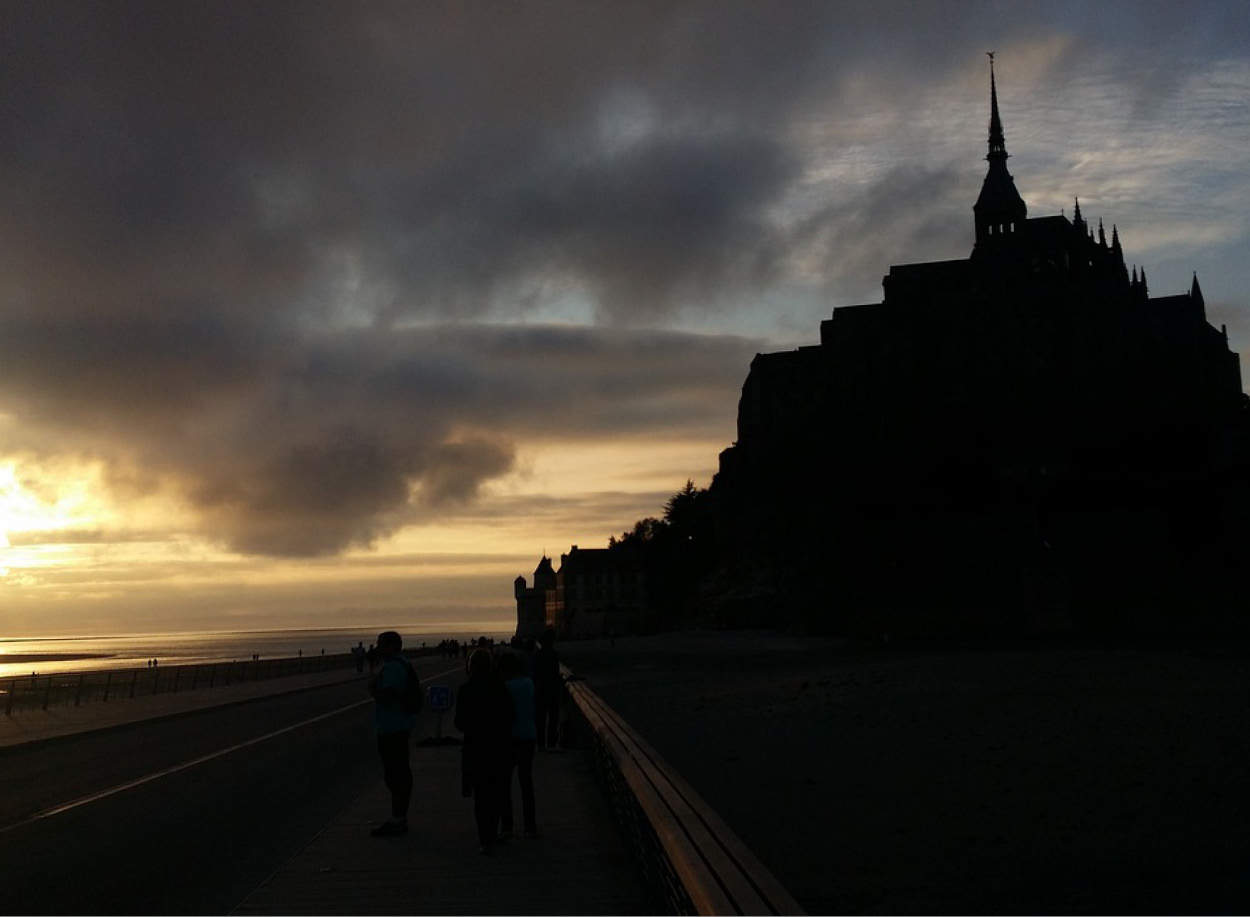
(394, 725)
(373, 657)
(484, 715)
(547, 691)
(521, 689)
(358, 654)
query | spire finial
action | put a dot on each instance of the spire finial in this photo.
(1195, 291)
(1076, 209)
(1102, 236)
(997, 142)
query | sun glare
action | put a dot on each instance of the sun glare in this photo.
(32, 500)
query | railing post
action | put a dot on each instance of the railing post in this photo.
(78, 693)
(108, 679)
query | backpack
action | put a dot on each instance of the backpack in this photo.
(414, 697)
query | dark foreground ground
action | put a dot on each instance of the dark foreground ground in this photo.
(988, 780)
(193, 842)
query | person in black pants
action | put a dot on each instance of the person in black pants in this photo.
(484, 715)
(394, 725)
(521, 689)
(547, 690)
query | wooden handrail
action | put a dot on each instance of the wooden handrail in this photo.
(717, 870)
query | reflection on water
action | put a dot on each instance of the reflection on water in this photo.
(47, 655)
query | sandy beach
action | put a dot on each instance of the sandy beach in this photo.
(974, 780)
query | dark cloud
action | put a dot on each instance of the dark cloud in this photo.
(220, 223)
(338, 439)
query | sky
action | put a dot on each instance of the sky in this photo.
(344, 313)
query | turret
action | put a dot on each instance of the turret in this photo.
(999, 210)
(1117, 255)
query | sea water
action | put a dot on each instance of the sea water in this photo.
(44, 655)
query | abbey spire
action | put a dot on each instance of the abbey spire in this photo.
(999, 211)
(997, 142)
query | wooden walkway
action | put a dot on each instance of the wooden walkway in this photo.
(578, 865)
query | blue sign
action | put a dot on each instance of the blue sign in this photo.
(439, 697)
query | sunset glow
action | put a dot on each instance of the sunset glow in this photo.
(292, 356)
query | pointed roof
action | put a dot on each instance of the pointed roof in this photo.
(999, 196)
(998, 143)
(544, 566)
(1195, 291)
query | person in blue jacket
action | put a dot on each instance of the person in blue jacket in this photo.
(394, 726)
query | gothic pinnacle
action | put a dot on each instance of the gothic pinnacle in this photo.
(997, 142)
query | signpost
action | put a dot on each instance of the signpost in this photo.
(441, 699)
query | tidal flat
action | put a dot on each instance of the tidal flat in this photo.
(1055, 778)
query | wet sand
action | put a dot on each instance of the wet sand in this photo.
(944, 780)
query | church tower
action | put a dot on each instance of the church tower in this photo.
(999, 210)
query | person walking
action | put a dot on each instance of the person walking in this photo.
(547, 690)
(390, 687)
(524, 733)
(484, 714)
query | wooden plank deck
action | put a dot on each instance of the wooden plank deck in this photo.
(578, 865)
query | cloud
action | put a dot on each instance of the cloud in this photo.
(264, 255)
(307, 445)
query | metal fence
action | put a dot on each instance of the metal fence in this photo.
(61, 689)
(691, 862)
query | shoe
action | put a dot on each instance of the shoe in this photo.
(390, 829)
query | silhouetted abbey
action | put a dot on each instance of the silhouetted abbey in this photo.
(1022, 439)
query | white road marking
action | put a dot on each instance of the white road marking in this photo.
(131, 784)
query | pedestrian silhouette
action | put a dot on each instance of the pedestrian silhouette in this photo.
(547, 691)
(394, 725)
(521, 689)
(484, 715)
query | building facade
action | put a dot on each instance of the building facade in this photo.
(595, 593)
